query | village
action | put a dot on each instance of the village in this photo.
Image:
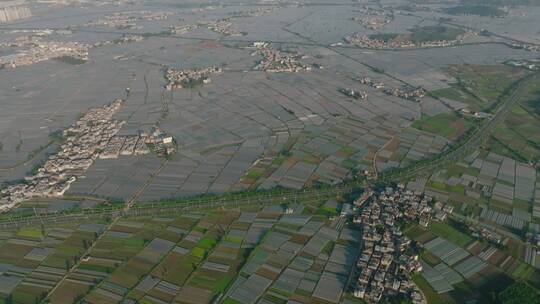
(129, 38)
(355, 94)
(93, 136)
(223, 27)
(187, 78)
(36, 50)
(404, 92)
(277, 61)
(525, 46)
(269, 152)
(402, 41)
(252, 13)
(83, 141)
(182, 29)
(373, 19)
(128, 20)
(387, 259)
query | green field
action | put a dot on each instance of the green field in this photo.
(429, 258)
(448, 232)
(523, 272)
(201, 253)
(478, 10)
(518, 137)
(30, 233)
(518, 293)
(480, 86)
(449, 125)
(460, 189)
(434, 33)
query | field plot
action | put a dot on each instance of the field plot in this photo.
(54, 205)
(303, 259)
(254, 128)
(517, 136)
(478, 87)
(247, 129)
(436, 279)
(34, 261)
(292, 136)
(446, 251)
(505, 187)
(448, 125)
(409, 146)
(427, 69)
(456, 267)
(233, 255)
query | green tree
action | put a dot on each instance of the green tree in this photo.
(519, 293)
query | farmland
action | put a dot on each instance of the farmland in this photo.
(248, 186)
(434, 33)
(235, 255)
(448, 125)
(517, 136)
(479, 87)
(478, 10)
(455, 273)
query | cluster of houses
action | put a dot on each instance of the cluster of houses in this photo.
(405, 92)
(365, 41)
(387, 260)
(528, 47)
(162, 143)
(253, 12)
(277, 61)
(33, 38)
(372, 22)
(401, 41)
(480, 232)
(223, 27)
(116, 20)
(83, 143)
(531, 65)
(35, 50)
(361, 95)
(416, 206)
(373, 19)
(374, 84)
(129, 38)
(182, 29)
(178, 79)
(479, 115)
(92, 136)
(128, 20)
(125, 145)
